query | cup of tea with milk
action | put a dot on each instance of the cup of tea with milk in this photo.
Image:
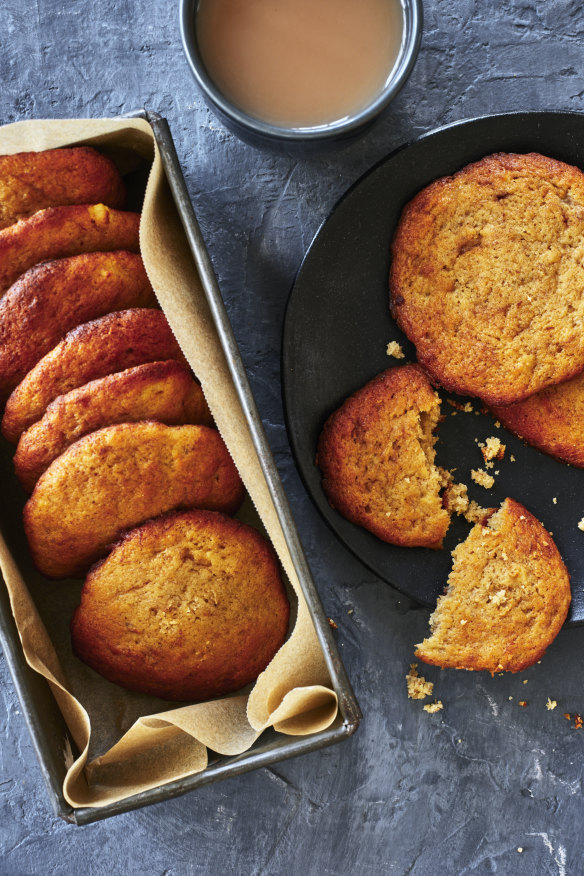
(300, 72)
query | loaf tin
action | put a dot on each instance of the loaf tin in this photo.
(50, 736)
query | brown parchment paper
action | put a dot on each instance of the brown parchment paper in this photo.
(130, 743)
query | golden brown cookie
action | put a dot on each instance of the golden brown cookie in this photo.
(551, 420)
(161, 391)
(31, 181)
(186, 607)
(508, 596)
(114, 479)
(58, 232)
(103, 346)
(50, 299)
(376, 454)
(487, 276)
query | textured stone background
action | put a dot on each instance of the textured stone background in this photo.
(454, 793)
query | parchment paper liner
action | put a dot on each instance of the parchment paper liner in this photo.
(293, 694)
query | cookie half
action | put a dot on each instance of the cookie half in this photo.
(376, 454)
(507, 597)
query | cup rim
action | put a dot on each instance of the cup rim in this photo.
(413, 16)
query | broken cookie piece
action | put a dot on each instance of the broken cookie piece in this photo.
(507, 598)
(376, 454)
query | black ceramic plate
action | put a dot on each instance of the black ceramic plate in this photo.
(338, 325)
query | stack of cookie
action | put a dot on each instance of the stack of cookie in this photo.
(487, 281)
(111, 430)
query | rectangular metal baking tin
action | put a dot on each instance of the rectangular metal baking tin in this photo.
(46, 724)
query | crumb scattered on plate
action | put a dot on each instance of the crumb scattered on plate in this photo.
(455, 496)
(394, 349)
(551, 704)
(486, 480)
(456, 501)
(493, 448)
(466, 408)
(581, 525)
(475, 513)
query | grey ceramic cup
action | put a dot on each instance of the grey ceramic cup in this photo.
(260, 133)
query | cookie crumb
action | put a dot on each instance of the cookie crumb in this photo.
(567, 716)
(554, 500)
(485, 480)
(332, 624)
(395, 350)
(581, 525)
(455, 496)
(512, 458)
(551, 704)
(578, 721)
(466, 408)
(523, 703)
(418, 687)
(519, 849)
(433, 707)
(493, 448)
(475, 513)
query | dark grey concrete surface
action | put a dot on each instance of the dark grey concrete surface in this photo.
(459, 792)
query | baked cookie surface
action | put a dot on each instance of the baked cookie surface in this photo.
(31, 181)
(507, 597)
(52, 298)
(59, 232)
(103, 346)
(161, 391)
(551, 420)
(186, 607)
(487, 276)
(376, 454)
(114, 479)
